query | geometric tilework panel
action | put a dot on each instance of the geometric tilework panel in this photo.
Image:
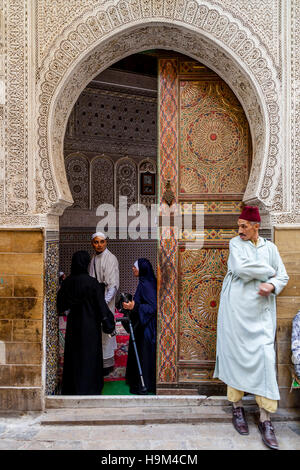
(112, 120)
(51, 287)
(200, 282)
(214, 139)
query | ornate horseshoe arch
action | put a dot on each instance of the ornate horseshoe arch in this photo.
(210, 35)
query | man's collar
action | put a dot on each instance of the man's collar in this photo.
(257, 242)
(260, 242)
(98, 254)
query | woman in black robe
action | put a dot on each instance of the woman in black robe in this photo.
(143, 310)
(83, 296)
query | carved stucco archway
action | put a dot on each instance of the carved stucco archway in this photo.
(212, 37)
(107, 34)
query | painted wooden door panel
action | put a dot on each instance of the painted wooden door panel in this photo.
(204, 158)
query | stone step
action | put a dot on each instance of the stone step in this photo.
(111, 401)
(155, 409)
(136, 415)
(156, 415)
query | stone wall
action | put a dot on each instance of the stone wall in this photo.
(21, 319)
(287, 240)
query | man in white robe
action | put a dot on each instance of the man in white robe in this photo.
(245, 358)
(104, 267)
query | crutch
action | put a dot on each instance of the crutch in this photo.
(144, 389)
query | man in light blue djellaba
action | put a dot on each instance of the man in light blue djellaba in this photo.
(245, 359)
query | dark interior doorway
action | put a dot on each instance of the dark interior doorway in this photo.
(110, 144)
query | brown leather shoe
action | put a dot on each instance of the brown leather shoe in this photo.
(268, 434)
(239, 420)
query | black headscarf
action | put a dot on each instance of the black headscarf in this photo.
(80, 262)
(73, 291)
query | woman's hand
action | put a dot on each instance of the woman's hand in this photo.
(129, 305)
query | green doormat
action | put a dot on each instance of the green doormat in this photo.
(295, 384)
(117, 387)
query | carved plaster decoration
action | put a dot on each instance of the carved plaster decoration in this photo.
(17, 221)
(53, 16)
(243, 34)
(293, 103)
(277, 199)
(77, 168)
(262, 17)
(2, 103)
(295, 107)
(102, 181)
(2, 162)
(126, 180)
(16, 108)
(147, 165)
(210, 36)
(289, 187)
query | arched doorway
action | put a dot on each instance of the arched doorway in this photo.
(110, 146)
(75, 60)
(203, 125)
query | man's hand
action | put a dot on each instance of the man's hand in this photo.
(266, 289)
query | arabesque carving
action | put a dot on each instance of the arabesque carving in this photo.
(16, 109)
(230, 36)
(88, 47)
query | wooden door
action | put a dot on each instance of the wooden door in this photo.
(204, 157)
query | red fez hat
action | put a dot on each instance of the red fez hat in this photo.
(250, 213)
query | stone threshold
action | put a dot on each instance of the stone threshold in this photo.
(112, 401)
(134, 415)
(154, 409)
(153, 415)
(136, 410)
(142, 410)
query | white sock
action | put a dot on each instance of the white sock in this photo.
(264, 415)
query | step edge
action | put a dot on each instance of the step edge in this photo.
(58, 402)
